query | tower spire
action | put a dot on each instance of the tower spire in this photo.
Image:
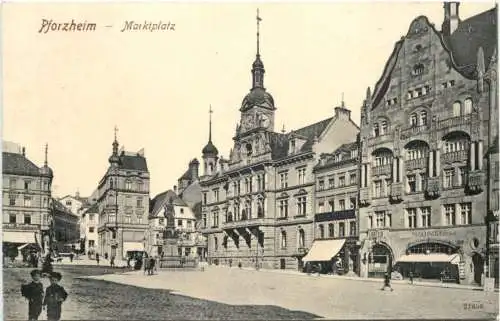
(258, 34)
(46, 154)
(210, 111)
(342, 101)
(115, 142)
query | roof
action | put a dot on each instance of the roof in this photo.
(133, 162)
(477, 31)
(210, 149)
(94, 208)
(18, 164)
(58, 206)
(164, 198)
(279, 142)
(191, 195)
(344, 148)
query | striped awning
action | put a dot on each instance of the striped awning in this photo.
(324, 250)
(19, 237)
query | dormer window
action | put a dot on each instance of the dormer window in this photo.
(292, 145)
(383, 127)
(418, 69)
(249, 150)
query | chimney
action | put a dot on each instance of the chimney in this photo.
(342, 113)
(24, 151)
(451, 17)
(141, 152)
(175, 189)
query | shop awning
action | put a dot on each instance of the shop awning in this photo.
(18, 237)
(132, 246)
(433, 257)
(323, 250)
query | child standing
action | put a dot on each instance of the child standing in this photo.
(55, 295)
(34, 293)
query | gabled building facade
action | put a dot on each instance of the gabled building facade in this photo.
(257, 206)
(123, 201)
(425, 131)
(26, 205)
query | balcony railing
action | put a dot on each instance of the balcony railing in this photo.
(416, 163)
(458, 156)
(247, 223)
(414, 130)
(433, 187)
(382, 170)
(396, 192)
(454, 121)
(380, 139)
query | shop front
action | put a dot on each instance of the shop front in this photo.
(452, 254)
(333, 256)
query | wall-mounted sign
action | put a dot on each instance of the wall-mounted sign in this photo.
(437, 233)
(20, 226)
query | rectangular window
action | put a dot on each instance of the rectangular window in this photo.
(412, 217)
(352, 228)
(425, 213)
(204, 198)
(388, 219)
(284, 180)
(331, 230)
(341, 229)
(352, 202)
(321, 184)
(179, 223)
(12, 200)
(27, 185)
(379, 219)
(341, 181)
(321, 207)
(12, 218)
(139, 202)
(464, 174)
(331, 202)
(91, 229)
(284, 208)
(377, 188)
(449, 214)
(412, 183)
(465, 213)
(352, 179)
(301, 205)
(27, 201)
(204, 219)
(127, 219)
(161, 221)
(216, 194)
(68, 203)
(12, 183)
(370, 221)
(342, 205)
(91, 243)
(301, 176)
(448, 178)
(27, 219)
(91, 217)
(423, 182)
(331, 182)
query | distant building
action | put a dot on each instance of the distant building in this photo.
(425, 131)
(66, 228)
(172, 227)
(74, 203)
(89, 223)
(336, 243)
(26, 200)
(123, 201)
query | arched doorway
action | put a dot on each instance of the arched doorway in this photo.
(380, 258)
(478, 265)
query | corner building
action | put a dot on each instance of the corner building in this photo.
(425, 131)
(257, 206)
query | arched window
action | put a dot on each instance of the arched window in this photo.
(128, 185)
(376, 131)
(321, 231)
(211, 167)
(413, 119)
(260, 209)
(457, 106)
(140, 186)
(383, 127)
(283, 239)
(302, 238)
(331, 231)
(418, 69)
(467, 106)
(423, 118)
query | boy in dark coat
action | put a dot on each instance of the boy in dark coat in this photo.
(34, 293)
(387, 282)
(55, 295)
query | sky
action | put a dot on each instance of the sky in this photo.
(70, 89)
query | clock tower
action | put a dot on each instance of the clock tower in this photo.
(257, 108)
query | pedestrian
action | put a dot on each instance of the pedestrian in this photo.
(106, 255)
(55, 295)
(128, 261)
(47, 265)
(112, 261)
(33, 292)
(387, 282)
(71, 255)
(97, 258)
(411, 277)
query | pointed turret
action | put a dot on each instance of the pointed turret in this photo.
(46, 170)
(114, 159)
(209, 152)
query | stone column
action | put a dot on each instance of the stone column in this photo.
(431, 163)
(472, 156)
(394, 169)
(368, 172)
(401, 168)
(480, 152)
(457, 214)
(438, 161)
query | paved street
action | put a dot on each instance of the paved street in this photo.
(91, 299)
(322, 296)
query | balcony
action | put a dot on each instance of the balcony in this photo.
(416, 163)
(452, 157)
(476, 182)
(253, 222)
(382, 170)
(396, 194)
(372, 141)
(414, 131)
(364, 196)
(335, 215)
(455, 123)
(433, 187)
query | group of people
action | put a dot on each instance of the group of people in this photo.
(54, 296)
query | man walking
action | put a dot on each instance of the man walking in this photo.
(387, 282)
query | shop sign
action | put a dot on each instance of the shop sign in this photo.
(376, 234)
(437, 233)
(20, 226)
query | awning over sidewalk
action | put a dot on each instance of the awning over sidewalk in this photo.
(132, 246)
(323, 250)
(18, 237)
(433, 257)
